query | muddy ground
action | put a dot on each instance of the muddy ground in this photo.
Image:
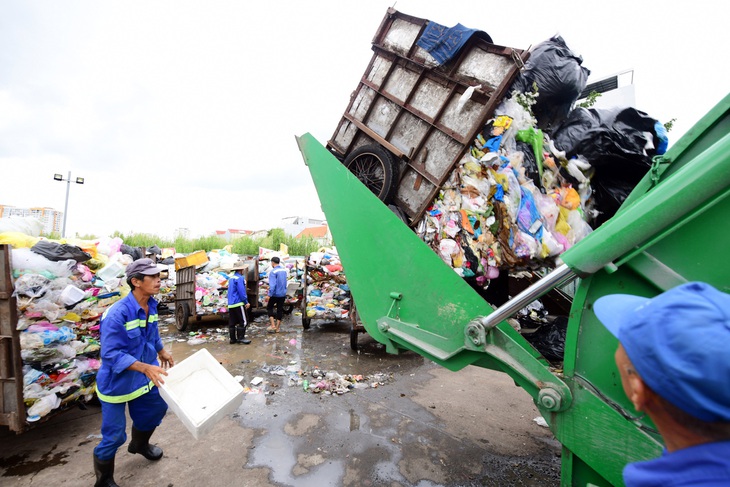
(408, 422)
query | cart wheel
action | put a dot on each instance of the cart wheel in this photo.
(287, 309)
(182, 313)
(306, 322)
(353, 338)
(373, 165)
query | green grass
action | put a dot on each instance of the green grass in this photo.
(240, 245)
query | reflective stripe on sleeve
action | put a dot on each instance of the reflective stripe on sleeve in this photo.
(237, 305)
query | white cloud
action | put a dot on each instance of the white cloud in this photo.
(184, 113)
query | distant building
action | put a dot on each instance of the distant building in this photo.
(616, 90)
(52, 220)
(320, 234)
(293, 225)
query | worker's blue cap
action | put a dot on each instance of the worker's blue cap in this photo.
(146, 267)
(678, 343)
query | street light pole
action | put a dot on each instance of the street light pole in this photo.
(65, 207)
(59, 177)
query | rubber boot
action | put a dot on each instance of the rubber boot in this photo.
(141, 444)
(232, 334)
(104, 470)
(242, 335)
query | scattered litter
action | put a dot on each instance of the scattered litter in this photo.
(238, 378)
(541, 422)
(256, 381)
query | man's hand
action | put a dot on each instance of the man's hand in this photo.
(248, 305)
(166, 359)
(153, 372)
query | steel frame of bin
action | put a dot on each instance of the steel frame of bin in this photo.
(414, 160)
(12, 407)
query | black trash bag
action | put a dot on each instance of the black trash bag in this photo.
(560, 80)
(57, 252)
(154, 250)
(618, 142)
(549, 338)
(168, 261)
(134, 252)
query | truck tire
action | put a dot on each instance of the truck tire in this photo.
(374, 167)
(182, 315)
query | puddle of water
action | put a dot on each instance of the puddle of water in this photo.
(19, 465)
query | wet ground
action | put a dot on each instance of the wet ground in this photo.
(404, 422)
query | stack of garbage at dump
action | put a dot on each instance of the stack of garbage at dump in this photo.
(211, 281)
(328, 295)
(539, 174)
(62, 289)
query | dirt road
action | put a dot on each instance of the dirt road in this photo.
(409, 422)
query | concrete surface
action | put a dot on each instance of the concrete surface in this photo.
(424, 426)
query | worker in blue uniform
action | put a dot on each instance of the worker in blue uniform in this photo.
(237, 305)
(277, 294)
(674, 366)
(130, 373)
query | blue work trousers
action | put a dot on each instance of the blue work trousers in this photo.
(146, 412)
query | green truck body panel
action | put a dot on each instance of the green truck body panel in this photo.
(672, 229)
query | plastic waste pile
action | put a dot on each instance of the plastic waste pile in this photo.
(318, 381)
(62, 289)
(211, 292)
(524, 191)
(211, 280)
(328, 295)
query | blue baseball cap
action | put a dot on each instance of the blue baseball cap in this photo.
(679, 343)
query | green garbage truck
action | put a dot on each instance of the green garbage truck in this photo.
(668, 231)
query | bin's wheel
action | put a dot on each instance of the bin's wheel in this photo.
(182, 313)
(373, 166)
(306, 322)
(287, 309)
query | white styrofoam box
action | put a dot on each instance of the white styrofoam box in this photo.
(72, 295)
(201, 392)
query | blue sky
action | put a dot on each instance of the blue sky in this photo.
(183, 114)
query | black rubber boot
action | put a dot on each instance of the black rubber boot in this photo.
(232, 334)
(242, 335)
(104, 470)
(141, 444)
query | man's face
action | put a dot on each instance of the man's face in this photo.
(150, 285)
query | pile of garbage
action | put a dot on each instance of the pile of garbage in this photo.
(525, 191)
(62, 289)
(326, 383)
(328, 295)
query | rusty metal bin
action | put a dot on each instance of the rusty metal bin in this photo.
(404, 129)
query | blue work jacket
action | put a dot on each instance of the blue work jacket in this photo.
(127, 336)
(277, 282)
(237, 291)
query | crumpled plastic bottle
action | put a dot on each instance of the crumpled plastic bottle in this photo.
(43, 406)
